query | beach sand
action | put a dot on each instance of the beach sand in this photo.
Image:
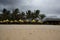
(29, 32)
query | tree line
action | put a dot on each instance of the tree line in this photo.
(16, 15)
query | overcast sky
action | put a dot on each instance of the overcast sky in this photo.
(49, 7)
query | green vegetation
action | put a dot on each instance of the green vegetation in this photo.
(17, 16)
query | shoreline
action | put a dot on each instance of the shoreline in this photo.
(52, 27)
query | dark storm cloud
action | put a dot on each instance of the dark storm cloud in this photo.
(46, 6)
(8, 2)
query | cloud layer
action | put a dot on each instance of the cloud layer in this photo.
(46, 6)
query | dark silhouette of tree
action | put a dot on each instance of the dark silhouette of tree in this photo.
(4, 16)
(4, 11)
(37, 13)
(23, 15)
(0, 17)
(33, 15)
(8, 15)
(15, 13)
(42, 16)
(29, 14)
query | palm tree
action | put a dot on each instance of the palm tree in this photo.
(4, 11)
(4, 16)
(37, 13)
(23, 15)
(15, 13)
(8, 15)
(29, 14)
(42, 16)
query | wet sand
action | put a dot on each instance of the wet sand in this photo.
(29, 32)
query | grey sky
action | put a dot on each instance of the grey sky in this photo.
(49, 7)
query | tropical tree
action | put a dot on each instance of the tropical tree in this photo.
(4, 16)
(37, 13)
(33, 15)
(4, 11)
(42, 16)
(15, 13)
(28, 14)
(23, 15)
(0, 17)
(8, 15)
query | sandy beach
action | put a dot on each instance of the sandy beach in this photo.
(29, 32)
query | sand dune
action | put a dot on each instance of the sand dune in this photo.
(29, 32)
